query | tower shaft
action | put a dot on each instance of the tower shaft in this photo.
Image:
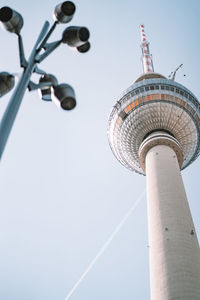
(173, 244)
(146, 56)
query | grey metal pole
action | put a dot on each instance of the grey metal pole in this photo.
(16, 99)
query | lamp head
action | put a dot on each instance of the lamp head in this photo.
(84, 48)
(64, 12)
(75, 36)
(64, 96)
(46, 91)
(7, 82)
(11, 20)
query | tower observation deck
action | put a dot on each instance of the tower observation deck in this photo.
(154, 103)
(154, 130)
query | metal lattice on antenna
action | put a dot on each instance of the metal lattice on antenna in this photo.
(146, 56)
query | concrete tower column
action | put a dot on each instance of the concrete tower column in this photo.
(173, 244)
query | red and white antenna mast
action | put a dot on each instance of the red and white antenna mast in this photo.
(146, 56)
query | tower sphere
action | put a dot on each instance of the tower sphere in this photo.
(154, 104)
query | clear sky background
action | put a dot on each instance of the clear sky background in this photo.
(62, 192)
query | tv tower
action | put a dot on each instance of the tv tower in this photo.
(154, 130)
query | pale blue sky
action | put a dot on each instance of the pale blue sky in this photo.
(62, 190)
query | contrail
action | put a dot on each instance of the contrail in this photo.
(105, 246)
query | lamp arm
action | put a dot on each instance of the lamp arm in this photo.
(43, 43)
(35, 86)
(23, 61)
(49, 49)
(39, 71)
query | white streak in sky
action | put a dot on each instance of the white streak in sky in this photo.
(105, 246)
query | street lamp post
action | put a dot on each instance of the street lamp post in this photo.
(63, 94)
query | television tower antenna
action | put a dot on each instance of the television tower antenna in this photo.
(146, 56)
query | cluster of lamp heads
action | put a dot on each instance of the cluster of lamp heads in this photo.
(62, 95)
(74, 36)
